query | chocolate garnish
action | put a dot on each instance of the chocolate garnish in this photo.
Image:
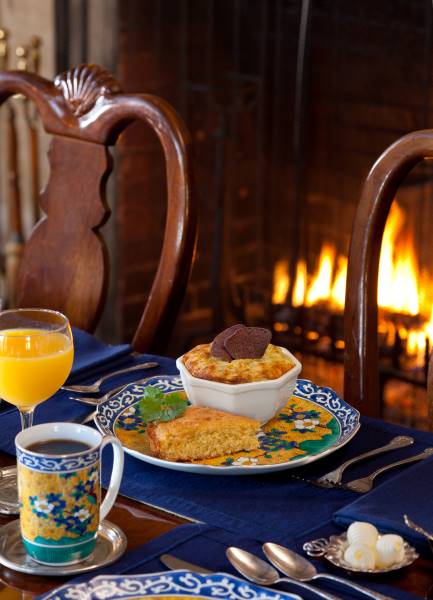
(249, 342)
(239, 341)
(218, 349)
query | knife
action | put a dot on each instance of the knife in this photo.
(177, 563)
(83, 420)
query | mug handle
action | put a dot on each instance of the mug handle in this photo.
(116, 474)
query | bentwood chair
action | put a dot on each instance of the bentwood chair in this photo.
(361, 360)
(65, 262)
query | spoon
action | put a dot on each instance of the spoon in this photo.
(301, 569)
(258, 571)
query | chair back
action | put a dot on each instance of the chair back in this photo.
(361, 354)
(65, 261)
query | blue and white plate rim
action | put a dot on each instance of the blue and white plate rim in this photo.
(173, 583)
(347, 417)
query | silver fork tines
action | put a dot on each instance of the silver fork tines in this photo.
(93, 388)
(333, 478)
(366, 483)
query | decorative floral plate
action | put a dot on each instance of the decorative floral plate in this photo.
(314, 423)
(172, 585)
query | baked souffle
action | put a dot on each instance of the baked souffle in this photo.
(238, 355)
(200, 433)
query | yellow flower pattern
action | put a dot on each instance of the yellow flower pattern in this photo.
(302, 428)
(59, 507)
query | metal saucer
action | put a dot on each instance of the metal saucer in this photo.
(334, 549)
(9, 491)
(110, 545)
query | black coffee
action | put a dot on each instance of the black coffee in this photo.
(58, 447)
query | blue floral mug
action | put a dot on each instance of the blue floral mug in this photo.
(60, 494)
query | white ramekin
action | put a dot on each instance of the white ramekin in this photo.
(261, 400)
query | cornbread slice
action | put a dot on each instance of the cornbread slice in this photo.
(202, 433)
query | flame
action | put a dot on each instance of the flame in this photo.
(281, 282)
(402, 287)
(300, 284)
(398, 267)
(338, 292)
(320, 286)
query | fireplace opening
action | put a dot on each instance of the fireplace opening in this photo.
(307, 306)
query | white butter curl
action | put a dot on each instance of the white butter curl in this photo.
(390, 550)
(360, 556)
(362, 533)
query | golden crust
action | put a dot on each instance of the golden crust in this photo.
(202, 433)
(200, 363)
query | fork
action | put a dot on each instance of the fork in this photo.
(334, 477)
(94, 388)
(95, 401)
(366, 483)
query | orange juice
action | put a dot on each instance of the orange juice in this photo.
(34, 363)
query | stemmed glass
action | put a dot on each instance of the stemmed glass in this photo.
(36, 354)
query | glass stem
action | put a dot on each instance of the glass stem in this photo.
(26, 418)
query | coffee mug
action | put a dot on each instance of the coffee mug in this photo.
(60, 494)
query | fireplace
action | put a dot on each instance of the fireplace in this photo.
(288, 104)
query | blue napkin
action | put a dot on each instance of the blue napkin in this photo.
(205, 546)
(409, 492)
(91, 355)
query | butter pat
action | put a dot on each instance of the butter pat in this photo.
(360, 556)
(389, 550)
(362, 533)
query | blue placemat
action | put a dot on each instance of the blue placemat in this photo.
(268, 505)
(204, 545)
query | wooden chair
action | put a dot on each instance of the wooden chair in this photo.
(65, 262)
(361, 375)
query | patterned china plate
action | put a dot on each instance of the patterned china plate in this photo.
(314, 423)
(171, 585)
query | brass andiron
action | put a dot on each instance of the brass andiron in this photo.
(28, 59)
(14, 238)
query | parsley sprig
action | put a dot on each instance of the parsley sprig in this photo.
(157, 406)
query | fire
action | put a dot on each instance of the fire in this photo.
(402, 288)
(338, 292)
(321, 285)
(281, 282)
(300, 284)
(398, 267)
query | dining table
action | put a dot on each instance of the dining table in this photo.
(195, 516)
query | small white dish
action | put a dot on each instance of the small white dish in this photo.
(260, 400)
(334, 549)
